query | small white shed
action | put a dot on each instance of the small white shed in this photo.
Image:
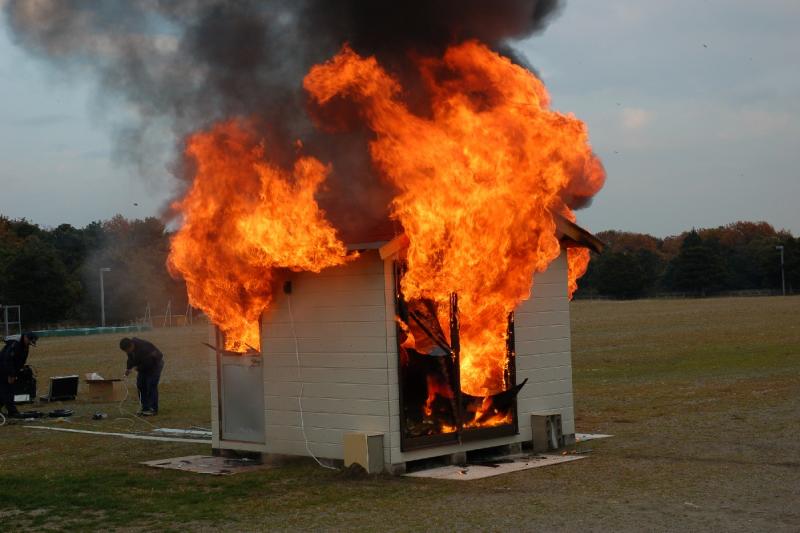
(340, 326)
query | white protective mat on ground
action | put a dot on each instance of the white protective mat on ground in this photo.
(478, 471)
(207, 464)
(582, 437)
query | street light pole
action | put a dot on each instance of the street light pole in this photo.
(783, 278)
(103, 298)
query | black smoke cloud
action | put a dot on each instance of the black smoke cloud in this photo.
(181, 65)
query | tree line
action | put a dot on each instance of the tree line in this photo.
(54, 273)
(742, 256)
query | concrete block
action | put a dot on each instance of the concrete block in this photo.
(546, 432)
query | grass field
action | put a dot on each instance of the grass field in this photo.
(703, 397)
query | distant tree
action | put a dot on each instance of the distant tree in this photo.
(620, 275)
(93, 235)
(698, 267)
(746, 249)
(739, 233)
(136, 252)
(792, 264)
(623, 241)
(652, 265)
(630, 266)
(24, 229)
(40, 283)
(671, 246)
(54, 273)
(9, 247)
(70, 244)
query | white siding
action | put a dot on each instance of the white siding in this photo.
(542, 342)
(337, 322)
(212, 376)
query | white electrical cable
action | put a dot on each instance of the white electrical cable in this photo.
(119, 407)
(3, 423)
(300, 396)
(123, 413)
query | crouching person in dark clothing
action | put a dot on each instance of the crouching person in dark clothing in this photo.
(148, 362)
(13, 357)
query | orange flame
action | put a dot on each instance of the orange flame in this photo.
(478, 179)
(488, 416)
(577, 264)
(436, 388)
(244, 217)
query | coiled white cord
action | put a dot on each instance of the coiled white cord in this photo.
(3, 423)
(302, 384)
(123, 413)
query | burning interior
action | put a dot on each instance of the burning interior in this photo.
(435, 409)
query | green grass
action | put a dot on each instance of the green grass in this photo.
(702, 397)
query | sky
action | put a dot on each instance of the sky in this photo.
(692, 106)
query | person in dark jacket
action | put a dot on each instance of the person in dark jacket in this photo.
(148, 362)
(12, 358)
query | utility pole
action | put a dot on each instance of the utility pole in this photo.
(103, 298)
(783, 277)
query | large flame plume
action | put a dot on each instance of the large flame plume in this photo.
(242, 219)
(479, 180)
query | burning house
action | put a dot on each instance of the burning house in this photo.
(344, 354)
(301, 126)
(441, 335)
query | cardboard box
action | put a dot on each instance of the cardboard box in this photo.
(99, 389)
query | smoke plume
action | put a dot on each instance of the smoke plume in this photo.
(181, 65)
